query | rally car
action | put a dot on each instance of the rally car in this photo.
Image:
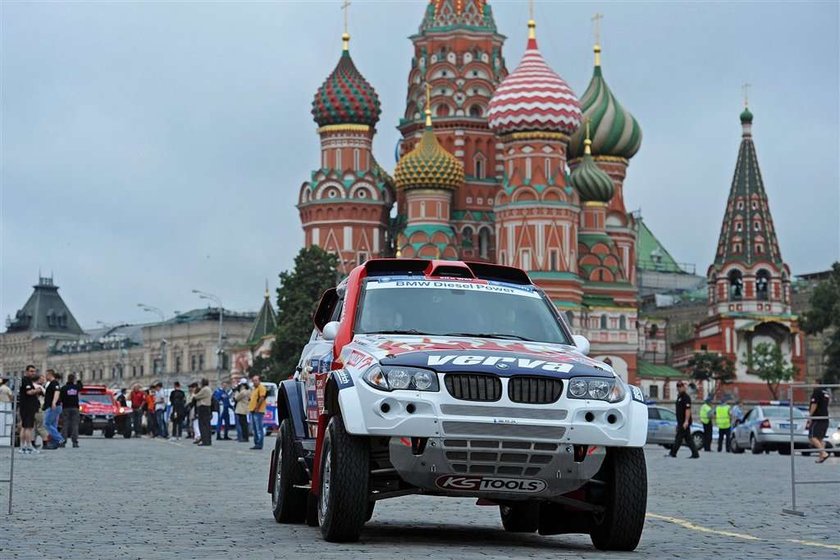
(457, 379)
(99, 410)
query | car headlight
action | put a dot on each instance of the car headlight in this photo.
(599, 389)
(637, 394)
(835, 438)
(395, 378)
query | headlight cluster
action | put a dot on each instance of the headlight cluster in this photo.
(597, 388)
(394, 378)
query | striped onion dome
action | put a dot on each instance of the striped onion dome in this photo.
(346, 97)
(429, 165)
(615, 132)
(592, 183)
(533, 97)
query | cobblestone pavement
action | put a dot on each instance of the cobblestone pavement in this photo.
(123, 499)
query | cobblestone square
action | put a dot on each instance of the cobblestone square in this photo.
(156, 499)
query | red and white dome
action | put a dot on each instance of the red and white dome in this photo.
(534, 97)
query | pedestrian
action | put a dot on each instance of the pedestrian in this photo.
(706, 421)
(151, 421)
(723, 419)
(178, 403)
(160, 411)
(738, 412)
(28, 405)
(138, 400)
(242, 399)
(203, 399)
(121, 399)
(221, 396)
(683, 423)
(818, 420)
(52, 409)
(256, 407)
(40, 428)
(192, 414)
(6, 393)
(70, 414)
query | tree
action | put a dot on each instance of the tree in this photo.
(823, 316)
(767, 362)
(263, 366)
(711, 367)
(299, 293)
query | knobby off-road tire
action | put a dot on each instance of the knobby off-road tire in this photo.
(288, 504)
(620, 526)
(521, 517)
(343, 496)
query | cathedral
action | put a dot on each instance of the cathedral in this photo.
(498, 166)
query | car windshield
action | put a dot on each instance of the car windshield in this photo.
(451, 308)
(96, 398)
(782, 412)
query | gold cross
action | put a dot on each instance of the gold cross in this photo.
(596, 22)
(746, 89)
(345, 6)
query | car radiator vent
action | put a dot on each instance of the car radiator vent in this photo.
(534, 390)
(468, 387)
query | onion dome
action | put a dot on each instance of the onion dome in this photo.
(746, 116)
(592, 183)
(534, 97)
(345, 96)
(429, 165)
(615, 132)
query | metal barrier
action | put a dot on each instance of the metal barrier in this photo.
(793, 482)
(9, 424)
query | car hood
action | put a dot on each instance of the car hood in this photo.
(476, 355)
(96, 408)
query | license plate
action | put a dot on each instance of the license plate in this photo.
(785, 426)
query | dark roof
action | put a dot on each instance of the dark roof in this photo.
(44, 313)
(265, 323)
(209, 314)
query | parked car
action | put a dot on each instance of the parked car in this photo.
(447, 378)
(766, 428)
(662, 428)
(99, 410)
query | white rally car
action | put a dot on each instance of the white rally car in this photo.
(457, 379)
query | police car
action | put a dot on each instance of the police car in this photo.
(456, 379)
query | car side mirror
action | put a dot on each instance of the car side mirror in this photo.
(582, 344)
(331, 330)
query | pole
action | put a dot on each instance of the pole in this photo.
(219, 361)
(792, 455)
(15, 398)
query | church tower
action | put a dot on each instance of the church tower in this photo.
(534, 112)
(749, 283)
(458, 53)
(344, 207)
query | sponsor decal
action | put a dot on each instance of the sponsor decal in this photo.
(524, 291)
(501, 362)
(490, 484)
(343, 379)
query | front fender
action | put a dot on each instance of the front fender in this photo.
(349, 402)
(290, 404)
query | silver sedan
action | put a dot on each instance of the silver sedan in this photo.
(767, 428)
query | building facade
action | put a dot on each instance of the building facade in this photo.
(486, 165)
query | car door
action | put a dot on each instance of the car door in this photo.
(653, 424)
(741, 433)
(667, 426)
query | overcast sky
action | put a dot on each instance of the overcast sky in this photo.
(152, 148)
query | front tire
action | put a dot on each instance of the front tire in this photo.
(343, 496)
(620, 526)
(108, 432)
(288, 504)
(699, 440)
(521, 517)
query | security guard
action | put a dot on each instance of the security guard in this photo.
(706, 420)
(723, 420)
(683, 423)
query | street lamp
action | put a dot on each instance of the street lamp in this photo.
(219, 353)
(159, 313)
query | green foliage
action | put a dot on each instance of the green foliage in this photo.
(708, 366)
(264, 367)
(767, 362)
(297, 297)
(683, 332)
(823, 315)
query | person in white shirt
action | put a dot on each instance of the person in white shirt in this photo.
(160, 411)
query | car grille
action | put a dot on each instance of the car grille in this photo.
(503, 429)
(534, 390)
(517, 458)
(467, 387)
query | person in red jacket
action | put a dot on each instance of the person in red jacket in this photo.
(138, 401)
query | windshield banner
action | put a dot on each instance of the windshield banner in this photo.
(526, 291)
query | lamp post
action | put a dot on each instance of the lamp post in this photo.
(219, 352)
(157, 311)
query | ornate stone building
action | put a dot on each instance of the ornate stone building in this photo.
(487, 169)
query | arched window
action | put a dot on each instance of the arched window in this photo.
(762, 285)
(467, 237)
(442, 110)
(478, 165)
(484, 243)
(476, 111)
(603, 322)
(736, 285)
(622, 323)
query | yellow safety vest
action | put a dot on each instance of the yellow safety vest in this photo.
(722, 416)
(705, 413)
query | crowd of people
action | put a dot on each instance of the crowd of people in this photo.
(44, 403)
(241, 406)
